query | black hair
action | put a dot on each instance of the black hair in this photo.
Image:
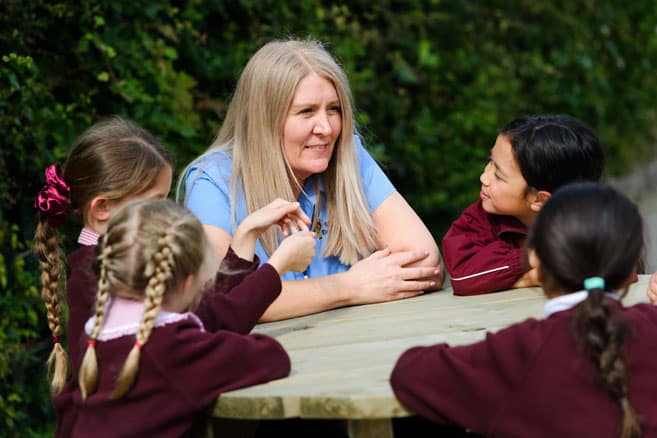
(591, 230)
(554, 150)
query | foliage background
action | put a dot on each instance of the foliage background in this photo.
(432, 80)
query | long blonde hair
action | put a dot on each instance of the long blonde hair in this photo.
(150, 247)
(252, 133)
(114, 157)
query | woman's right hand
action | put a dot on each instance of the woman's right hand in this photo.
(384, 276)
(294, 253)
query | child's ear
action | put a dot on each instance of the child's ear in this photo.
(99, 209)
(538, 199)
(188, 283)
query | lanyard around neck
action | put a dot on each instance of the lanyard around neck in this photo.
(316, 225)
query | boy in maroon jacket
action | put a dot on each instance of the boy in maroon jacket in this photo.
(532, 157)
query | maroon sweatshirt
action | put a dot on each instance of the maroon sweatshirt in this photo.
(483, 251)
(234, 302)
(530, 379)
(182, 371)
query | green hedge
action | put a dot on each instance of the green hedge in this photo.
(432, 80)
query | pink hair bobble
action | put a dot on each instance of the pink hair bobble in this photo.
(53, 199)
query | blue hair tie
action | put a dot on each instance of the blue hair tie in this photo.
(594, 283)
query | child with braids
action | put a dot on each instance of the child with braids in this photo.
(111, 163)
(146, 352)
(587, 369)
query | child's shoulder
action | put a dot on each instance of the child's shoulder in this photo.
(642, 312)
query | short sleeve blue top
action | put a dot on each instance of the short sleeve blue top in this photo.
(208, 197)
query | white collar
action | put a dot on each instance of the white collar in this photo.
(123, 316)
(568, 301)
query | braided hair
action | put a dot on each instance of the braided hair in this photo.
(149, 249)
(590, 230)
(115, 158)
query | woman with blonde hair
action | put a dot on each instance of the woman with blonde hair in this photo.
(290, 133)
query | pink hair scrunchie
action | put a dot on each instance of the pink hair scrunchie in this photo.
(54, 198)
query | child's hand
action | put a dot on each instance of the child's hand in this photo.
(652, 288)
(288, 215)
(528, 279)
(294, 253)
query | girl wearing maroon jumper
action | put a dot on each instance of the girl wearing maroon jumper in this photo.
(146, 352)
(111, 163)
(587, 369)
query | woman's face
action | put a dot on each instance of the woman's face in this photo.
(312, 125)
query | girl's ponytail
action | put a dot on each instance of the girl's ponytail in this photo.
(602, 333)
(52, 203)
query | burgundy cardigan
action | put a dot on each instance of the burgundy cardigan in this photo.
(530, 379)
(182, 371)
(483, 251)
(234, 302)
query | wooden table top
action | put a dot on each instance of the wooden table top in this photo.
(342, 359)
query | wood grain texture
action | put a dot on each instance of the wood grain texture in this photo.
(342, 359)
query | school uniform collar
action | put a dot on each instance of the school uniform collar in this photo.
(502, 224)
(568, 301)
(124, 318)
(88, 237)
(509, 224)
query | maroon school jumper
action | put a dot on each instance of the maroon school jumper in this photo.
(530, 379)
(182, 371)
(235, 302)
(483, 251)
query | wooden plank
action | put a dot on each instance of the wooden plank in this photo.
(342, 359)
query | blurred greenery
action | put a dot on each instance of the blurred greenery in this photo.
(433, 80)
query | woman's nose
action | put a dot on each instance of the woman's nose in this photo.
(322, 124)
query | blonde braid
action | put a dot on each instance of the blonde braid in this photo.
(48, 251)
(159, 272)
(88, 378)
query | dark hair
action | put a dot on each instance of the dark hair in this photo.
(553, 150)
(591, 230)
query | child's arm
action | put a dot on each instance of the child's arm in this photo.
(652, 288)
(241, 260)
(218, 362)
(467, 385)
(240, 308)
(477, 260)
(287, 215)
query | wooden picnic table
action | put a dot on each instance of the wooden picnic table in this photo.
(342, 359)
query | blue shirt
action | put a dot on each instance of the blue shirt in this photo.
(208, 197)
